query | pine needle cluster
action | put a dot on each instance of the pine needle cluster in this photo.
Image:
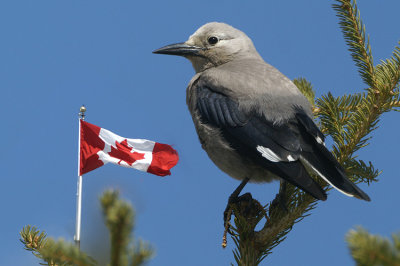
(373, 250)
(119, 218)
(348, 119)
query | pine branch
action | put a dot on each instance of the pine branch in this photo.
(119, 217)
(371, 250)
(388, 73)
(354, 34)
(393, 104)
(33, 240)
(382, 79)
(53, 252)
(335, 113)
(119, 220)
(360, 172)
(62, 253)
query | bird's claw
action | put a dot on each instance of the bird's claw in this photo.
(244, 204)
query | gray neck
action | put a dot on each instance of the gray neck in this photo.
(201, 64)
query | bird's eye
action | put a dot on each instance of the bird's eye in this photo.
(212, 40)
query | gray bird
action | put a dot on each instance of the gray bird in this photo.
(252, 121)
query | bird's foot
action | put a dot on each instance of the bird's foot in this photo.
(234, 198)
(244, 202)
(247, 208)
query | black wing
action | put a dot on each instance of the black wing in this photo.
(280, 148)
(275, 147)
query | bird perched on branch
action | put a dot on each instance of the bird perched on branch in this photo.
(252, 121)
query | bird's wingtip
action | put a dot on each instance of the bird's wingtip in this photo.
(363, 196)
(324, 198)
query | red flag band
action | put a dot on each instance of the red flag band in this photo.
(100, 146)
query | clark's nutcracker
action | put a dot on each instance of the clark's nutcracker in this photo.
(252, 121)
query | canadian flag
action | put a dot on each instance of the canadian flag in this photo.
(99, 146)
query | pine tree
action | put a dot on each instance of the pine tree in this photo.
(348, 119)
(119, 219)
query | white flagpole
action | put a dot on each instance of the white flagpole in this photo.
(77, 236)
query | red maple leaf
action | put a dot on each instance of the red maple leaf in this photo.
(123, 153)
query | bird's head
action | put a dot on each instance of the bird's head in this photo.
(213, 44)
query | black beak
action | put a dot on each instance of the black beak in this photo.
(181, 49)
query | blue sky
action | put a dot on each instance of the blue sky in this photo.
(57, 55)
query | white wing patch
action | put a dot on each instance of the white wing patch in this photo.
(269, 154)
(290, 158)
(320, 141)
(323, 177)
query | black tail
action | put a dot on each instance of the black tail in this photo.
(327, 167)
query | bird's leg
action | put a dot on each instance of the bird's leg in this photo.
(234, 198)
(280, 199)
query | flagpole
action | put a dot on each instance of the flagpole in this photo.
(77, 236)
